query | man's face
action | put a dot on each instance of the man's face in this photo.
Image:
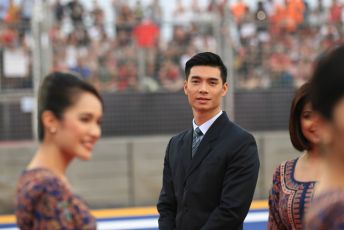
(205, 88)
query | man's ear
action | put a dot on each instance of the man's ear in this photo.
(225, 88)
(185, 87)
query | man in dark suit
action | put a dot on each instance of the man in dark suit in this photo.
(211, 170)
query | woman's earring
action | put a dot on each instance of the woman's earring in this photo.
(52, 130)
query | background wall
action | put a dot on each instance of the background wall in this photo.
(128, 171)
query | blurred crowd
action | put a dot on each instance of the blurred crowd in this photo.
(274, 43)
(279, 42)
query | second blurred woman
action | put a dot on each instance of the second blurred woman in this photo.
(294, 180)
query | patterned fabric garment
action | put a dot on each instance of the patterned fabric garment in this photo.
(326, 212)
(289, 199)
(43, 201)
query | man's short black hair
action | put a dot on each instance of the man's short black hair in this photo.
(206, 59)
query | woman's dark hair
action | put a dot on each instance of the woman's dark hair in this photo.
(301, 98)
(327, 83)
(206, 59)
(58, 91)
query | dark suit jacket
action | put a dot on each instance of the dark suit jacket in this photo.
(213, 190)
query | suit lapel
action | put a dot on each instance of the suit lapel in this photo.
(206, 144)
(186, 149)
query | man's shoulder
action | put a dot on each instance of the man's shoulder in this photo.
(237, 131)
(230, 127)
(179, 136)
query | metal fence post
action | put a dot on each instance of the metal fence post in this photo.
(41, 52)
(225, 50)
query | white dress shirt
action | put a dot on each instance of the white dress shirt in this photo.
(206, 125)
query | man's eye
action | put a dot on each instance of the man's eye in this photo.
(85, 119)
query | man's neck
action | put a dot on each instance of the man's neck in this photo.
(202, 117)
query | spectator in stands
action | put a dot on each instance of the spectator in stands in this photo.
(239, 10)
(69, 115)
(3, 9)
(81, 35)
(59, 63)
(195, 8)
(294, 180)
(26, 8)
(98, 14)
(179, 43)
(306, 14)
(8, 36)
(320, 6)
(296, 10)
(105, 74)
(127, 79)
(269, 5)
(146, 34)
(76, 12)
(125, 20)
(170, 76)
(327, 88)
(149, 83)
(138, 12)
(335, 14)
(180, 13)
(318, 15)
(59, 11)
(284, 20)
(154, 12)
(213, 7)
(82, 68)
(13, 13)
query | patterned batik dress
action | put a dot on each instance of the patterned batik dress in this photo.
(289, 199)
(43, 201)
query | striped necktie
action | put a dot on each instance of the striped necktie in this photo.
(196, 140)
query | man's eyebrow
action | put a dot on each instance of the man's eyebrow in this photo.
(209, 79)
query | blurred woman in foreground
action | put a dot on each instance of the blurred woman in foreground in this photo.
(69, 115)
(327, 94)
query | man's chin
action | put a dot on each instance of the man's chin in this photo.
(202, 109)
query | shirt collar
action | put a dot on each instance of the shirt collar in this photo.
(206, 125)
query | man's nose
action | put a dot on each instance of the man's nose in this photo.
(203, 88)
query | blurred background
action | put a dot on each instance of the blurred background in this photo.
(134, 52)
